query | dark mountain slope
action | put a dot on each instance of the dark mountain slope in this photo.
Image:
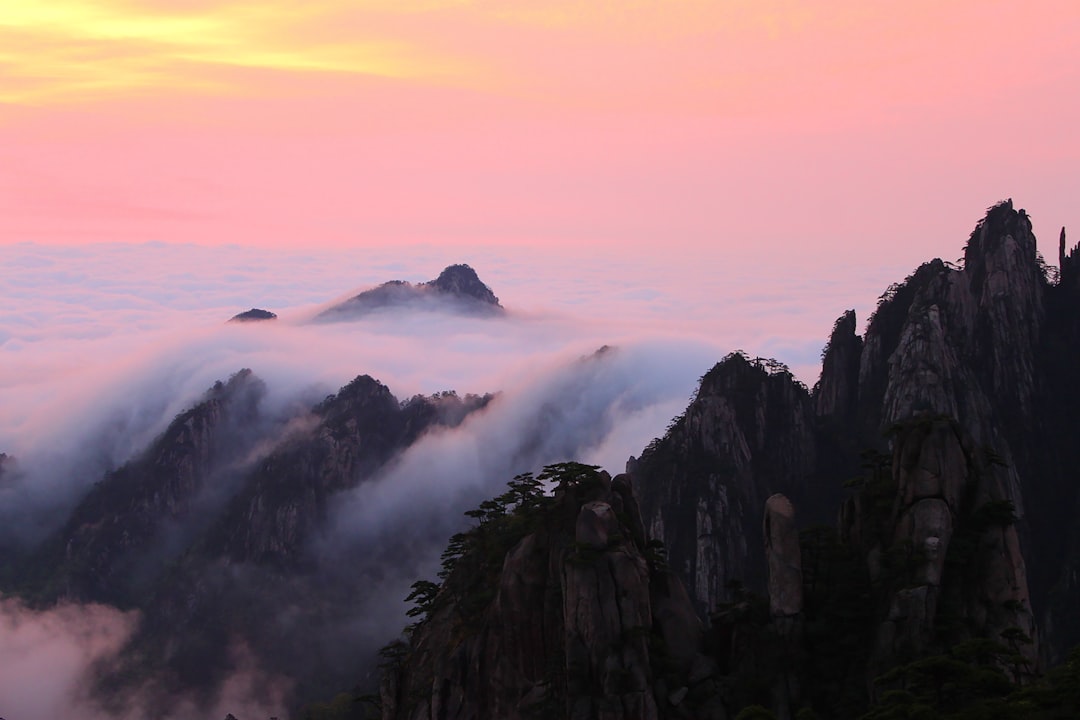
(934, 467)
(140, 515)
(552, 606)
(209, 534)
(992, 345)
(747, 434)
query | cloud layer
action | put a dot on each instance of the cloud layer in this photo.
(106, 345)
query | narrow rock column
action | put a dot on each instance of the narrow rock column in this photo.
(784, 558)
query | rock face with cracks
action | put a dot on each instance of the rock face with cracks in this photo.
(991, 344)
(582, 622)
(958, 570)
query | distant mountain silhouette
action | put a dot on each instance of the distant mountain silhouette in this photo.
(253, 315)
(458, 289)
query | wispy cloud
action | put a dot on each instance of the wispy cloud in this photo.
(69, 50)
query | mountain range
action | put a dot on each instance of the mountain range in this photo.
(788, 551)
(896, 542)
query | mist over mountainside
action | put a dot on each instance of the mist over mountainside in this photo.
(213, 535)
(248, 547)
(931, 471)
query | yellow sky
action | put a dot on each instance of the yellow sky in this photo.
(63, 51)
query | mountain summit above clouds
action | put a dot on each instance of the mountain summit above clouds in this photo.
(779, 552)
(898, 541)
(458, 289)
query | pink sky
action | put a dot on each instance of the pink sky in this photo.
(851, 131)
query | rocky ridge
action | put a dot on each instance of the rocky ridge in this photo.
(949, 421)
(458, 289)
(209, 533)
(985, 344)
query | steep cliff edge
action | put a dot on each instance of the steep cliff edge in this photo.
(126, 527)
(946, 560)
(209, 534)
(748, 433)
(991, 344)
(246, 581)
(554, 606)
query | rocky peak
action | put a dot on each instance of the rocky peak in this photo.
(361, 392)
(1002, 239)
(1068, 262)
(457, 289)
(836, 393)
(748, 433)
(462, 281)
(1007, 291)
(961, 342)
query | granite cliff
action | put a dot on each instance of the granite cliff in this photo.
(932, 475)
(990, 345)
(554, 606)
(779, 552)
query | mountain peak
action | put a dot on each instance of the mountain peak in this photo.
(462, 280)
(457, 289)
(992, 234)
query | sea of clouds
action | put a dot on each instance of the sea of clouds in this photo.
(101, 346)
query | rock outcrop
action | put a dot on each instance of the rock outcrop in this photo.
(578, 618)
(783, 558)
(458, 289)
(462, 281)
(953, 569)
(991, 344)
(837, 392)
(748, 433)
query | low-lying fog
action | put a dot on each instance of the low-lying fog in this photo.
(102, 346)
